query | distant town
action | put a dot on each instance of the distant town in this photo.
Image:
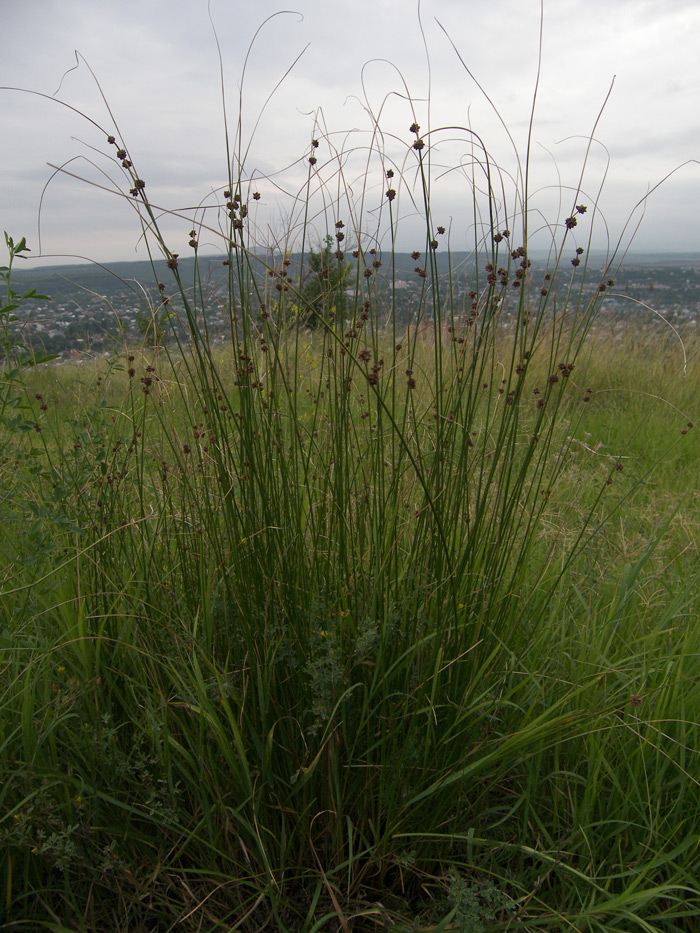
(96, 309)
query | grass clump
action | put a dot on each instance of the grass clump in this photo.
(370, 618)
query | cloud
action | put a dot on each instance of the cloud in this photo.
(158, 68)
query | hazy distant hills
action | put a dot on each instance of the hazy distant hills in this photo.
(57, 280)
(97, 307)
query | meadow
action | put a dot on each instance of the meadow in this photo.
(354, 622)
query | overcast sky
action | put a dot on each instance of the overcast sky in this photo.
(157, 67)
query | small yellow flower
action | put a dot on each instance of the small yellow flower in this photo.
(323, 633)
(61, 669)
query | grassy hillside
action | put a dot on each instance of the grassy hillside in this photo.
(286, 643)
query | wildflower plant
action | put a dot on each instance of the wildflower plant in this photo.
(17, 357)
